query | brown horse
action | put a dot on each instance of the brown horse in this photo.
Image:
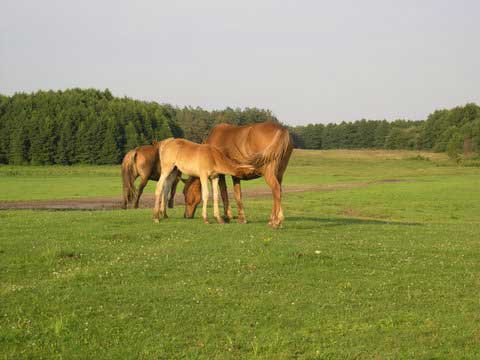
(201, 160)
(265, 146)
(142, 161)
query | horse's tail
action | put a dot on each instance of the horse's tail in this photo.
(275, 151)
(129, 174)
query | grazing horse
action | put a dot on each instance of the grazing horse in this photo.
(266, 146)
(142, 161)
(201, 160)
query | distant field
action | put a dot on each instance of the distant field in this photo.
(390, 270)
(306, 167)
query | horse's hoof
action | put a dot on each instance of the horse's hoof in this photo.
(241, 220)
(205, 221)
(220, 220)
(274, 225)
(156, 221)
(226, 219)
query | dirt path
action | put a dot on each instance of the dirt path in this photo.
(110, 203)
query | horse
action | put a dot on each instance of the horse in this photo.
(201, 160)
(265, 146)
(142, 161)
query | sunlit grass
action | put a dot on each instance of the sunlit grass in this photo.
(307, 167)
(384, 271)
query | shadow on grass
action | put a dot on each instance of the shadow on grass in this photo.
(340, 221)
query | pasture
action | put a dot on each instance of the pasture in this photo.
(378, 259)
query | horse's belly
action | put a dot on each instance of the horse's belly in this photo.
(187, 169)
(250, 177)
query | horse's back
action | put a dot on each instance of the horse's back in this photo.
(241, 141)
(146, 153)
(262, 134)
(189, 157)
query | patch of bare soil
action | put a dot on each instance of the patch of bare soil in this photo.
(110, 203)
(357, 214)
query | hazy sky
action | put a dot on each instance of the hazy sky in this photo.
(307, 61)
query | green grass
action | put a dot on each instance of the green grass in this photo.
(305, 168)
(58, 182)
(385, 271)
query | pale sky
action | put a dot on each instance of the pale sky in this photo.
(307, 61)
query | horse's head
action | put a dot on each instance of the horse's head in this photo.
(193, 196)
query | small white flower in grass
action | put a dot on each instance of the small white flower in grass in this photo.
(318, 252)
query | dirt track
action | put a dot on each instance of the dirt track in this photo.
(110, 203)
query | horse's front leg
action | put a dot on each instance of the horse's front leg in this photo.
(204, 182)
(166, 190)
(238, 198)
(171, 201)
(227, 210)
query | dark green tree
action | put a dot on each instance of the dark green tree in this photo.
(131, 137)
(19, 146)
(110, 151)
(65, 153)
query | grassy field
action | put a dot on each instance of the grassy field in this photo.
(306, 168)
(388, 270)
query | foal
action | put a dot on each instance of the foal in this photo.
(201, 160)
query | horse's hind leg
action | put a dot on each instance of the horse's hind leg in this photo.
(216, 211)
(227, 210)
(237, 190)
(280, 172)
(159, 190)
(158, 195)
(142, 185)
(276, 216)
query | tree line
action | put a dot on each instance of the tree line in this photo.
(450, 130)
(94, 127)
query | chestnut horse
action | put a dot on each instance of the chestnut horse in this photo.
(201, 160)
(142, 161)
(266, 146)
